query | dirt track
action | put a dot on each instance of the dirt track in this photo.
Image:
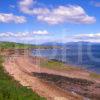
(21, 68)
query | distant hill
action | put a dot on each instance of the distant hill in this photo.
(69, 43)
(53, 44)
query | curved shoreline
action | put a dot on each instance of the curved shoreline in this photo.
(18, 67)
(21, 68)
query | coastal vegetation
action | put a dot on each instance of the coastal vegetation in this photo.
(95, 75)
(12, 45)
(12, 90)
(57, 65)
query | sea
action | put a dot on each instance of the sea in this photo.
(82, 55)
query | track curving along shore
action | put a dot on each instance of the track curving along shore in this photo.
(21, 68)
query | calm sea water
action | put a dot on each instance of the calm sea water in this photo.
(86, 56)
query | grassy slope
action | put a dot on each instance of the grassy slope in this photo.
(56, 65)
(95, 75)
(12, 45)
(12, 90)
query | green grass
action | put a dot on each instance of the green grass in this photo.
(12, 90)
(94, 75)
(12, 45)
(55, 65)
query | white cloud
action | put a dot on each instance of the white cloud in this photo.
(40, 36)
(97, 35)
(24, 34)
(70, 14)
(87, 37)
(61, 14)
(6, 18)
(94, 37)
(39, 32)
(25, 5)
(37, 36)
(11, 34)
(26, 2)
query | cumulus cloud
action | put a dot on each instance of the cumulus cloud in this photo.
(61, 14)
(25, 5)
(72, 14)
(6, 18)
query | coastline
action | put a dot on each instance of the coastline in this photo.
(71, 58)
(75, 67)
(21, 68)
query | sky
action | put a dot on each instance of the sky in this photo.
(39, 21)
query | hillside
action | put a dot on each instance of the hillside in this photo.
(13, 45)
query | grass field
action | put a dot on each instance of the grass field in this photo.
(56, 65)
(12, 90)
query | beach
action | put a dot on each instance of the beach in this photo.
(22, 68)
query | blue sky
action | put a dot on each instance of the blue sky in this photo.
(38, 21)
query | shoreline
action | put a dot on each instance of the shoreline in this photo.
(82, 67)
(85, 66)
(21, 68)
(73, 66)
(23, 75)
